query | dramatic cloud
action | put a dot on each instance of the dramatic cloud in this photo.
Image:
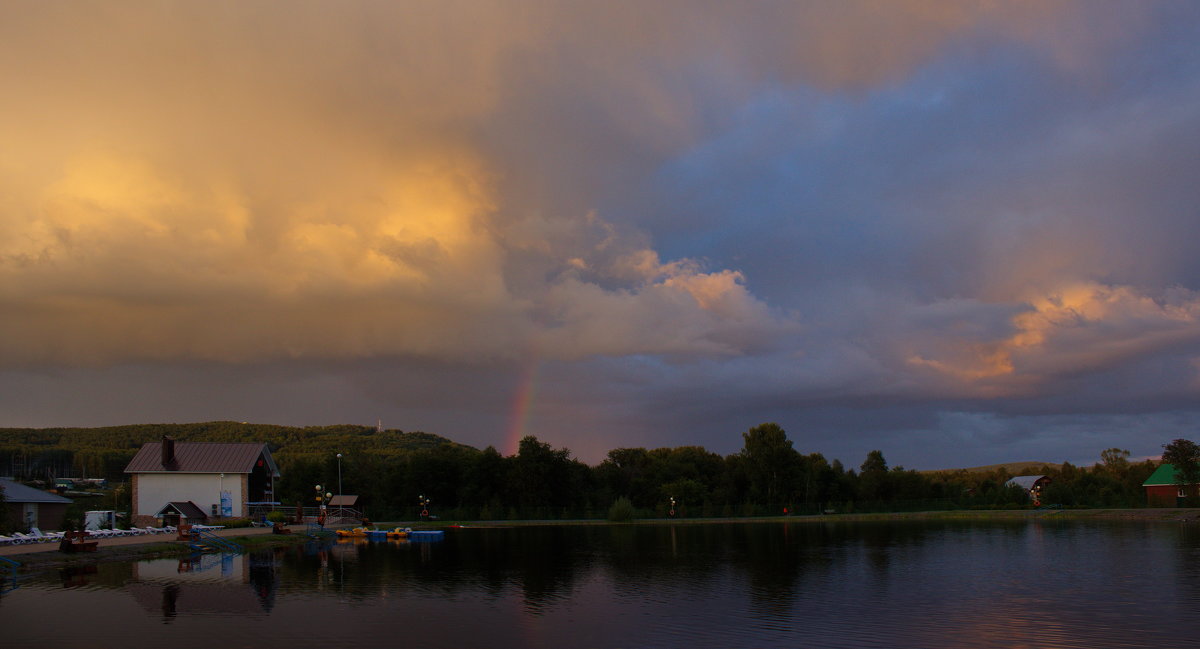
(875, 223)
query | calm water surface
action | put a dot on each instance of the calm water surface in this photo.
(1026, 584)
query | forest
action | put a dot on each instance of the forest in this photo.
(390, 469)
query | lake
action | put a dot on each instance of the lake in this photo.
(1039, 583)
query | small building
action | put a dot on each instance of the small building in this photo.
(344, 509)
(29, 507)
(177, 513)
(1163, 491)
(1032, 484)
(220, 479)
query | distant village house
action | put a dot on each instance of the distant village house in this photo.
(1032, 484)
(190, 480)
(1163, 491)
(29, 507)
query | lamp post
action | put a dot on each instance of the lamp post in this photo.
(339, 459)
(320, 520)
(672, 512)
(321, 498)
(423, 503)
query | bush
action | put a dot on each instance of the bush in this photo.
(277, 517)
(234, 522)
(621, 510)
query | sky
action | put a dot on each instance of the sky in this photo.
(959, 232)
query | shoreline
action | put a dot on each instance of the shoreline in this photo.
(41, 556)
(44, 556)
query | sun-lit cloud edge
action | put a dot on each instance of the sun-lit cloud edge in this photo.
(1083, 327)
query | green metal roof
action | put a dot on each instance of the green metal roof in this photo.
(1163, 475)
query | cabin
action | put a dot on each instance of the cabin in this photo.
(1032, 484)
(220, 479)
(29, 507)
(181, 513)
(1163, 491)
(344, 509)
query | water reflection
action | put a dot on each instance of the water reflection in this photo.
(1042, 583)
(206, 584)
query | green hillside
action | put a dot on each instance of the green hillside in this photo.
(1011, 468)
(104, 452)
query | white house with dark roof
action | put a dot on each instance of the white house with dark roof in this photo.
(219, 479)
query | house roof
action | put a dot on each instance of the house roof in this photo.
(1026, 481)
(343, 501)
(187, 509)
(202, 457)
(15, 492)
(1163, 475)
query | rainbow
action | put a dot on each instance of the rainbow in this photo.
(518, 417)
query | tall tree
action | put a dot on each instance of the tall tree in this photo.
(873, 480)
(1184, 455)
(874, 463)
(773, 463)
(1116, 460)
(541, 475)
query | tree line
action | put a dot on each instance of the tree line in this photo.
(389, 470)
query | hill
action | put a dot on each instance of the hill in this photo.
(104, 452)
(1011, 468)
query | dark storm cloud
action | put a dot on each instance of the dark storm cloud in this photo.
(963, 230)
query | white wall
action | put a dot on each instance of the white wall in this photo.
(157, 489)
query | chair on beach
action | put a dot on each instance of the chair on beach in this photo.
(42, 537)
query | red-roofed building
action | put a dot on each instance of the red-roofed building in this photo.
(221, 479)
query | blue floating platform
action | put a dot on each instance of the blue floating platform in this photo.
(377, 535)
(426, 535)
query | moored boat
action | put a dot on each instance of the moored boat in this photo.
(399, 533)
